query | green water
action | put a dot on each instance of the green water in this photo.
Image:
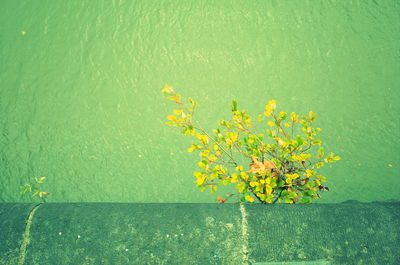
(80, 99)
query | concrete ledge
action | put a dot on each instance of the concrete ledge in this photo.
(12, 227)
(118, 233)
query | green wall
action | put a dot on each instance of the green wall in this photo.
(80, 99)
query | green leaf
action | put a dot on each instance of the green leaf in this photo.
(281, 183)
(234, 105)
(310, 192)
(282, 116)
(321, 151)
(299, 140)
(305, 200)
(269, 133)
(273, 183)
(26, 188)
(40, 180)
(322, 178)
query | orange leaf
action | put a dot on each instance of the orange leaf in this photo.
(221, 200)
(268, 164)
(256, 166)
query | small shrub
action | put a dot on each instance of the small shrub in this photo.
(283, 160)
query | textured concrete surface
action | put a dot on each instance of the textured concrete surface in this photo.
(346, 233)
(80, 99)
(136, 234)
(118, 233)
(12, 226)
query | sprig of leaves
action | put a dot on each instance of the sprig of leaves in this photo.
(282, 161)
(34, 188)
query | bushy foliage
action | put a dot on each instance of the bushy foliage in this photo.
(283, 160)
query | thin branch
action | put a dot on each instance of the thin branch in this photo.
(233, 160)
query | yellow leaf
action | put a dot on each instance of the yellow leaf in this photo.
(268, 188)
(202, 137)
(294, 117)
(302, 157)
(272, 104)
(249, 198)
(233, 136)
(177, 112)
(201, 165)
(200, 178)
(168, 89)
(310, 173)
(42, 193)
(212, 158)
(240, 187)
(234, 178)
(292, 176)
(239, 168)
(205, 153)
(267, 113)
(176, 98)
(172, 118)
(283, 143)
(197, 174)
(244, 176)
(191, 149)
(253, 183)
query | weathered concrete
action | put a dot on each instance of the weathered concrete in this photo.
(345, 233)
(12, 226)
(136, 234)
(113, 233)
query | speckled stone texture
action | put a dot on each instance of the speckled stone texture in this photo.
(119, 233)
(12, 226)
(100, 233)
(345, 233)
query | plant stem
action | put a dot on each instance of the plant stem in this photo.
(202, 130)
